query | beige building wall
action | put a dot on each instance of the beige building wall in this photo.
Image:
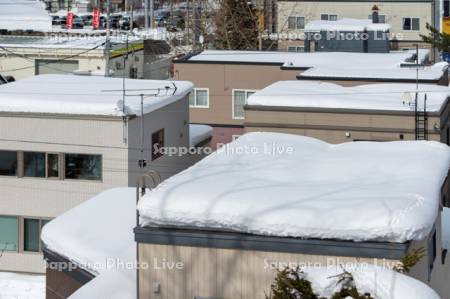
(92, 61)
(338, 127)
(106, 136)
(394, 12)
(221, 80)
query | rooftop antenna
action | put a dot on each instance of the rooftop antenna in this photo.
(143, 94)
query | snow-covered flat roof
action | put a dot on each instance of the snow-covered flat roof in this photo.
(199, 133)
(58, 41)
(346, 25)
(384, 96)
(288, 185)
(433, 72)
(310, 59)
(24, 15)
(103, 254)
(87, 95)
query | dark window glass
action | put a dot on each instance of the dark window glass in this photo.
(31, 235)
(34, 164)
(446, 8)
(407, 24)
(292, 22)
(157, 143)
(415, 24)
(85, 167)
(8, 163)
(324, 17)
(52, 165)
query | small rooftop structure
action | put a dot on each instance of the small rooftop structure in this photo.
(284, 185)
(24, 15)
(315, 94)
(88, 95)
(355, 25)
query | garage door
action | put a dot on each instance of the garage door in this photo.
(55, 67)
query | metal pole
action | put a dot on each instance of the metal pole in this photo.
(151, 13)
(108, 38)
(187, 22)
(146, 7)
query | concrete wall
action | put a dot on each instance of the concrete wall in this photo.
(394, 12)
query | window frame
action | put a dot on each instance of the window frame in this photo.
(63, 163)
(17, 164)
(194, 92)
(18, 229)
(411, 23)
(233, 115)
(155, 156)
(297, 48)
(328, 17)
(296, 27)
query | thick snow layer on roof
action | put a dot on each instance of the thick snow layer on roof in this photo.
(289, 185)
(446, 228)
(385, 96)
(57, 41)
(24, 15)
(21, 286)
(346, 25)
(380, 283)
(308, 60)
(86, 95)
(434, 72)
(85, 242)
(199, 133)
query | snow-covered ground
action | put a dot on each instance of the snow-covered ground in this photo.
(381, 283)
(289, 185)
(21, 286)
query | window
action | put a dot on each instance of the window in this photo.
(239, 100)
(296, 23)
(157, 144)
(381, 18)
(31, 234)
(34, 164)
(9, 227)
(52, 165)
(411, 24)
(84, 167)
(8, 163)
(133, 73)
(296, 49)
(327, 17)
(199, 98)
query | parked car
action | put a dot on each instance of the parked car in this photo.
(87, 20)
(125, 22)
(56, 20)
(78, 23)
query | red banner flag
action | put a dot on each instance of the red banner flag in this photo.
(69, 21)
(96, 18)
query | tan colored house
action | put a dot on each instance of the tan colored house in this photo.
(408, 18)
(375, 112)
(225, 79)
(62, 144)
(276, 210)
(252, 209)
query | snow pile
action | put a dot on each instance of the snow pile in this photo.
(87, 95)
(21, 286)
(380, 282)
(384, 96)
(199, 133)
(24, 15)
(288, 185)
(346, 25)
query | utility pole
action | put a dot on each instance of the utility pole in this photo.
(146, 8)
(151, 13)
(108, 38)
(187, 22)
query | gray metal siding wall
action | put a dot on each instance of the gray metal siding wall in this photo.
(334, 42)
(378, 42)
